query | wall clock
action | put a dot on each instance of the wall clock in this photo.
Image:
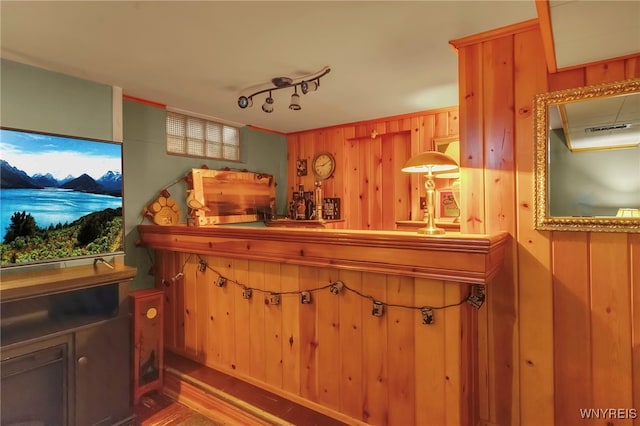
(323, 165)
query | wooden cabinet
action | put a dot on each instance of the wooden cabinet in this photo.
(65, 341)
(147, 341)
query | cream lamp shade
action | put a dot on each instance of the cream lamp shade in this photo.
(429, 161)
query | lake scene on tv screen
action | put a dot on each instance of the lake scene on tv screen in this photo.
(60, 197)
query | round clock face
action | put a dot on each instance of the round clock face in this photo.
(323, 165)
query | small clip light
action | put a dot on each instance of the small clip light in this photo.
(427, 315)
(273, 299)
(247, 293)
(221, 281)
(476, 296)
(336, 287)
(378, 309)
(305, 297)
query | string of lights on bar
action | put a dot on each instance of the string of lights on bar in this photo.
(475, 298)
(306, 85)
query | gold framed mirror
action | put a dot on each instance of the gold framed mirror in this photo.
(587, 158)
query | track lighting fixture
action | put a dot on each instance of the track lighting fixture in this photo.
(307, 84)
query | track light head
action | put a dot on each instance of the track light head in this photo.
(244, 102)
(309, 86)
(295, 100)
(267, 106)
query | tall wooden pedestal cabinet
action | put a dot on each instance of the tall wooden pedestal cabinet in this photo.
(147, 341)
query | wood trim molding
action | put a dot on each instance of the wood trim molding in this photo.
(496, 33)
(376, 121)
(603, 62)
(154, 104)
(116, 113)
(374, 134)
(265, 130)
(546, 31)
(473, 259)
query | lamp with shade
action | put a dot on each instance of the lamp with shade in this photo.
(427, 163)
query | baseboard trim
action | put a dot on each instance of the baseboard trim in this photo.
(201, 396)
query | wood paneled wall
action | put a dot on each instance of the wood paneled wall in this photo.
(562, 328)
(332, 354)
(369, 155)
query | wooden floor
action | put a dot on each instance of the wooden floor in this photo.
(188, 381)
(157, 409)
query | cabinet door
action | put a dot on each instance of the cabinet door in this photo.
(103, 373)
(35, 383)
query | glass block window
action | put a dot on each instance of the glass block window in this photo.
(196, 137)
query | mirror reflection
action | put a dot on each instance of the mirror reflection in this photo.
(588, 158)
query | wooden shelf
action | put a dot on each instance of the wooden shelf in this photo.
(290, 223)
(413, 225)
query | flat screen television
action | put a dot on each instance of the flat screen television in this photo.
(60, 198)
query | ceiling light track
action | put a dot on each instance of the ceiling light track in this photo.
(608, 127)
(307, 84)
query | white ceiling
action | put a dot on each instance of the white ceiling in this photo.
(386, 58)
(585, 31)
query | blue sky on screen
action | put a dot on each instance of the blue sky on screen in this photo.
(60, 156)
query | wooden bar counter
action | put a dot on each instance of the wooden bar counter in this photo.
(337, 355)
(471, 259)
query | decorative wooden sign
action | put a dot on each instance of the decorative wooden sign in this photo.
(163, 210)
(224, 196)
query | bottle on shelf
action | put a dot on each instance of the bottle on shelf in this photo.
(318, 200)
(301, 206)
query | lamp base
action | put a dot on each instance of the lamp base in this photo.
(431, 231)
